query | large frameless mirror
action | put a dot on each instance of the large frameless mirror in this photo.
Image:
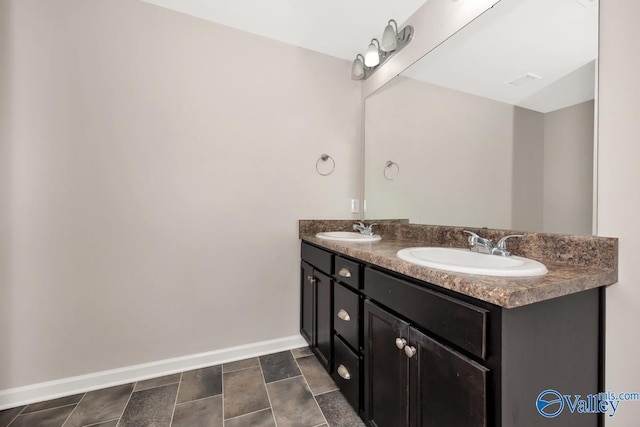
(494, 127)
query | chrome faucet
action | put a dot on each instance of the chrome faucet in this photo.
(364, 229)
(486, 246)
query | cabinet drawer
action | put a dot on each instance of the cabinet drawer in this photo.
(347, 272)
(320, 259)
(346, 373)
(346, 314)
(458, 322)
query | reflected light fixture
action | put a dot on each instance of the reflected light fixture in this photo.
(393, 40)
(390, 37)
(372, 57)
(357, 69)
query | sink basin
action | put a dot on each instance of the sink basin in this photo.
(464, 261)
(347, 236)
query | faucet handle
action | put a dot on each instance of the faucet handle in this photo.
(502, 243)
(473, 237)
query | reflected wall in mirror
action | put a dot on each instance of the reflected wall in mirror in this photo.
(493, 128)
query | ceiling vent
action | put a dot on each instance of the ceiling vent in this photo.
(521, 81)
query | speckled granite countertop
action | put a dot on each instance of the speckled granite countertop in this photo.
(575, 263)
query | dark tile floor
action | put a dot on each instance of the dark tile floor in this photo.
(286, 389)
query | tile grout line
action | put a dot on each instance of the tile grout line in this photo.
(240, 369)
(222, 390)
(127, 404)
(199, 399)
(158, 386)
(18, 414)
(285, 379)
(175, 401)
(39, 410)
(74, 409)
(316, 358)
(311, 391)
(249, 413)
(328, 391)
(273, 413)
(100, 422)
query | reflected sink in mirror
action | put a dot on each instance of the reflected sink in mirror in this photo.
(465, 261)
(347, 236)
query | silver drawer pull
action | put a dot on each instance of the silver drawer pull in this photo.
(410, 351)
(343, 315)
(311, 279)
(400, 343)
(344, 372)
(344, 272)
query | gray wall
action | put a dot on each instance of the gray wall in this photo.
(468, 160)
(5, 186)
(618, 195)
(528, 170)
(449, 146)
(568, 170)
(151, 183)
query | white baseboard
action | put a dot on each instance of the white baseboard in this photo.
(24, 395)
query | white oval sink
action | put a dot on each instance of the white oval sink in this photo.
(465, 261)
(347, 236)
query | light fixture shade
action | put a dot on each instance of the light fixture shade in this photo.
(372, 57)
(390, 37)
(357, 69)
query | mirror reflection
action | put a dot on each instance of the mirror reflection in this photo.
(493, 128)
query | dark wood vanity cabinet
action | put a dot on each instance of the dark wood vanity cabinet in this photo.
(330, 318)
(347, 325)
(316, 302)
(408, 353)
(433, 358)
(413, 380)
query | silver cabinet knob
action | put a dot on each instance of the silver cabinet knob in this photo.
(311, 279)
(343, 315)
(344, 272)
(410, 351)
(400, 343)
(344, 372)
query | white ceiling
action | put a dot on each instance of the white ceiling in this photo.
(553, 39)
(340, 28)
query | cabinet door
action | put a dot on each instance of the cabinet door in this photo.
(386, 385)
(447, 388)
(324, 318)
(307, 303)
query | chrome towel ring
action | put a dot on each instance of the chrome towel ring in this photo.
(325, 165)
(391, 170)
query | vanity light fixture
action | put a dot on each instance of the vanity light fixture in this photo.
(372, 57)
(357, 69)
(377, 53)
(390, 37)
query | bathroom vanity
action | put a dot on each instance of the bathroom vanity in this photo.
(414, 346)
